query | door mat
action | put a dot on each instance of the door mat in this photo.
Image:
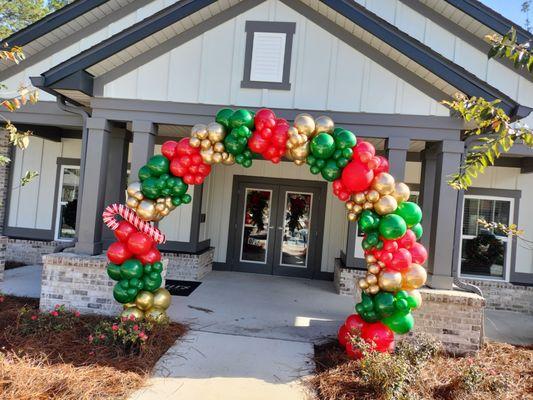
(181, 288)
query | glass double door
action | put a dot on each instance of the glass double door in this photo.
(277, 229)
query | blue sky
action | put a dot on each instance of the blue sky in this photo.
(509, 8)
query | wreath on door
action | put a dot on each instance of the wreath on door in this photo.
(485, 250)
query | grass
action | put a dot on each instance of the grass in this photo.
(498, 371)
(63, 365)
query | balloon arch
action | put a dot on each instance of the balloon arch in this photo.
(390, 223)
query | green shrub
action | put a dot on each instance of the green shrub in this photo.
(127, 334)
(33, 322)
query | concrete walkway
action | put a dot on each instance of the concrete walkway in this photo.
(22, 281)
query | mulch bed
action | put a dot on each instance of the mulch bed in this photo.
(65, 366)
(338, 378)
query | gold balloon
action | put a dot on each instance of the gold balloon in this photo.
(146, 210)
(128, 305)
(370, 258)
(374, 289)
(138, 195)
(195, 142)
(385, 205)
(162, 298)
(352, 217)
(199, 131)
(357, 209)
(359, 198)
(363, 284)
(229, 160)
(368, 206)
(137, 314)
(324, 124)
(349, 205)
(218, 147)
(144, 300)
(383, 183)
(414, 277)
(207, 155)
(132, 202)
(371, 279)
(160, 206)
(299, 162)
(372, 196)
(205, 144)
(381, 264)
(390, 281)
(217, 158)
(215, 132)
(417, 296)
(305, 124)
(156, 314)
(374, 269)
(301, 152)
(401, 192)
(168, 202)
(133, 188)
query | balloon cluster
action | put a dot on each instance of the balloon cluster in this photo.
(239, 124)
(210, 139)
(377, 335)
(304, 129)
(270, 136)
(135, 263)
(186, 161)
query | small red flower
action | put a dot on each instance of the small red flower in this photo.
(77, 314)
(143, 336)
(57, 306)
(2, 298)
(91, 338)
(54, 314)
(132, 317)
(115, 327)
(124, 319)
(102, 337)
(135, 328)
(91, 353)
(33, 317)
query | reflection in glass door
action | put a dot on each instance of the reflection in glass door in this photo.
(296, 228)
(255, 230)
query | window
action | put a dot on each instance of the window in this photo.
(486, 252)
(267, 59)
(67, 201)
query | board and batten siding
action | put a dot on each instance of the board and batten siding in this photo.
(455, 48)
(32, 206)
(326, 73)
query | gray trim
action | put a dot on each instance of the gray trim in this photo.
(462, 33)
(60, 161)
(45, 113)
(396, 148)
(143, 133)
(172, 43)
(251, 27)
(29, 233)
(478, 191)
(526, 165)
(80, 81)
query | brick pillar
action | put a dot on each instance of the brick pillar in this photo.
(5, 151)
(143, 145)
(396, 148)
(94, 187)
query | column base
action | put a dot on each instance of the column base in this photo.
(90, 249)
(190, 267)
(439, 282)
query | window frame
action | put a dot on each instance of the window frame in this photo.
(251, 27)
(62, 163)
(510, 258)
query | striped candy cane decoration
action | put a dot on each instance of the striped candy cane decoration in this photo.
(109, 217)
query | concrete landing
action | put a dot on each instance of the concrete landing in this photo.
(214, 366)
(509, 327)
(23, 281)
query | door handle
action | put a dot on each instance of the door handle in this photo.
(270, 227)
(280, 228)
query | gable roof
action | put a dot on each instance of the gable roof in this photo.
(451, 76)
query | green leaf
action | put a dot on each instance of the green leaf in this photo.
(493, 51)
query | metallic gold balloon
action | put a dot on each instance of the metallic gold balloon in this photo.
(146, 210)
(128, 305)
(368, 206)
(390, 281)
(133, 188)
(199, 131)
(324, 124)
(218, 147)
(137, 314)
(228, 160)
(357, 209)
(156, 314)
(359, 198)
(138, 196)
(381, 264)
(385, 205)
(414, 277)
(305, 124)
(215, 132)
(417, 296)
(363, 284)
(144, 300)
(371, 279)
(401, 192)
(205, 144)
(217, 158)
(132, 202)
(207, 155)
(195, 142)
(374, 269)
(370, 258)
(352, 217)
(374, 289)
(299, 162)
(383, 183)
(349, 205)
(301, 152)
(372, 195)
(168, 202)
(162, 298)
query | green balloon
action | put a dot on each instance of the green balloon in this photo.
(158, 165)
(152, 281)
(384, 304)
(177, 186)
(136, 283)
(368, 221)
(413, 302)
(330, 171)
(370, 316)
(311, 159)
(314, 170)
(410, 212)
(242, 131)
(372, 238)
(148, 268)
(131, 268)
(223, 116)
(342, 162)
(144, 173)
(344, 139)
(113, 271)
(247, 163)
(392, 226)
(234, 145)
(417, 230)
(123, 295)
(151, 188)
(176, 201)
(402, 305)
(399, 323)
(157, 266)
(347, 153)
(323, 145)
(241, 118)
(186, 198)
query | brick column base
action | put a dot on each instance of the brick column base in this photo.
(451, 316)
(79, 282)
(189, 267)
(3, 245)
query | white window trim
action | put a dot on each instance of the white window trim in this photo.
(58, 203)
(507, 240)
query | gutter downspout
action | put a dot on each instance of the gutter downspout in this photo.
(60, 101)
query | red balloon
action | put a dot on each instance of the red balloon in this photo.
(168, 149)
(184, 148)
(150, 257)
(124, 230)
(379, 335)
(264, 118)
(364, 151)
(401, 260)
(419, 253)
(118, 252)
(257, 144)
(354, 323)
(343, 335)
(383, 165)
(390, 245)
(407, 240)
(386, 257)
(139, 243)
(353, 352)
(356, 176)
